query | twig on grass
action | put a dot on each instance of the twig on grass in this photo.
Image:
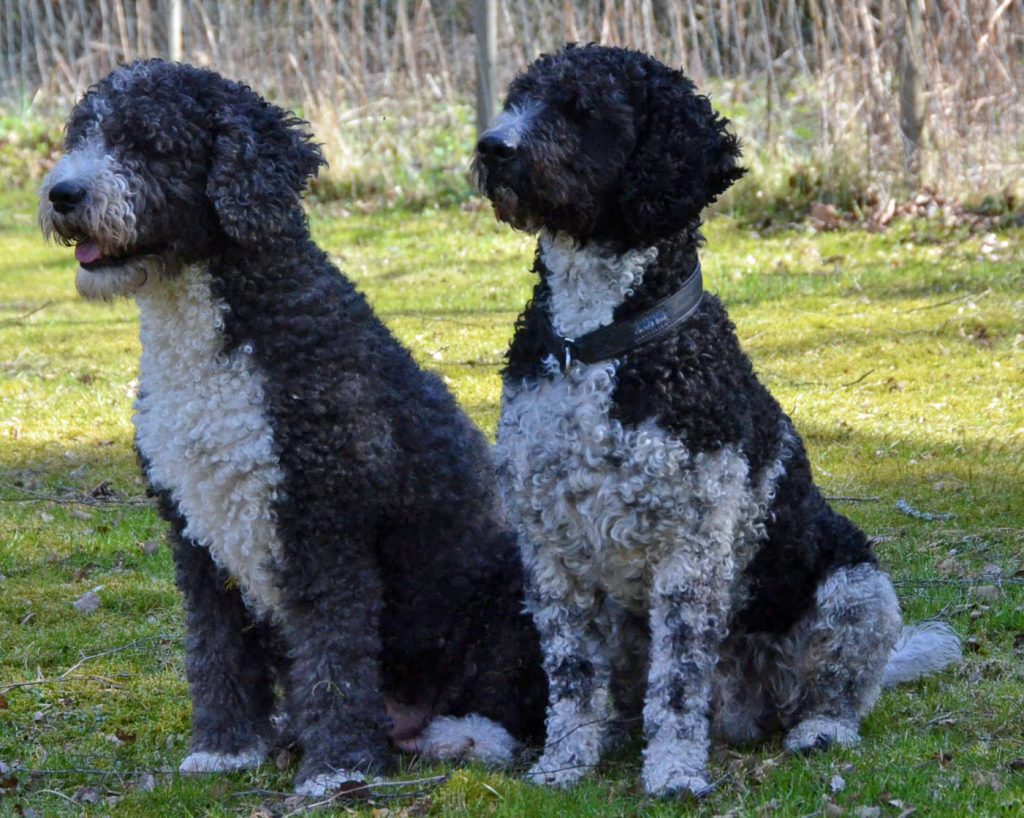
(62, 678)
(847, 499)
(17, 319)
(71, 499)
(87, 771)
(965, 582)
(367, 791)
(949, 301)
(66, 797)
(904, 507)
(854, 383)
(67, 676)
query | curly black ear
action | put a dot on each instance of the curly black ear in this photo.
(685, 158)
(262, 159)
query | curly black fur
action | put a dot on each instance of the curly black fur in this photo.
(397, 577)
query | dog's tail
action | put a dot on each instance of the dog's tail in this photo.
(921, 649)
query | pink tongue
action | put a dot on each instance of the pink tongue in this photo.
(87, 252)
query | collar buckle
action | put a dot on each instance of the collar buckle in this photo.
(568, 344)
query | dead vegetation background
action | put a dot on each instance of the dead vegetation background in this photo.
(852, 102)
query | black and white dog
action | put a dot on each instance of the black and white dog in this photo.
(335, 526)
(674, 541)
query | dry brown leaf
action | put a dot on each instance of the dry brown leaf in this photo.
(87, 603)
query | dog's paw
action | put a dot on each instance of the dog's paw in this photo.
(693, 786)
(819, 734)
(555, 772)
(204, 762)
(666, 776)
(317, 786)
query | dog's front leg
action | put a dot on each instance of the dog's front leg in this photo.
(579, 676)
(229, 673)
(331, 626)
(687, 626)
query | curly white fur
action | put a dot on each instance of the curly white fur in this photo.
(201, 426)
(464, 738)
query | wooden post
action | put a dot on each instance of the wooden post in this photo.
(912, 95)
(485, 21)
(174, 30)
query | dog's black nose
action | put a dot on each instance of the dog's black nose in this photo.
(494, 146)
(66, 196)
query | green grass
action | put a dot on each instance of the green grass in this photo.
(899, 356)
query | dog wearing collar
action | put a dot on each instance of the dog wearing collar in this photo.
(682, 567)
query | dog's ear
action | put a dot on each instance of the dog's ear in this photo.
(684, 159)
(262, 159)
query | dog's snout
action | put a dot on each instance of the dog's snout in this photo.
(496, 147)
(66, 196)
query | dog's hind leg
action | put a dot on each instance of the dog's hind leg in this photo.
(230, 674)
(840, 650)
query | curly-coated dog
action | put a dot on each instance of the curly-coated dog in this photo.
(335, 526)
(677, 550)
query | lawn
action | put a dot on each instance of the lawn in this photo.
(900, 356)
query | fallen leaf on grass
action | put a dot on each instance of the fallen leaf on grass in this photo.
(867, 812)
(904, 808)
(87, 603)
(833, 810)
(988, 593)
(983, 779)
(284, 759)
(837, 783)
(149, 547)
(824, 216)
(146, 783)
(86, 795)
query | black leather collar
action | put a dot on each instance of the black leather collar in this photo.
(613, 340)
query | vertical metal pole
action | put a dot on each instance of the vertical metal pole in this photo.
(485, 21)
(174, 30)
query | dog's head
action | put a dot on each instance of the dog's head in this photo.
(163, 164)
(605, 142)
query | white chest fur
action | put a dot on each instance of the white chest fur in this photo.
(599, 505)
(201, 427)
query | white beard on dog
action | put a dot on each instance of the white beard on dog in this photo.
(202, 428)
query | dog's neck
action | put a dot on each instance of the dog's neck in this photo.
(180, 313)
(593, 283)
(588, 282)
